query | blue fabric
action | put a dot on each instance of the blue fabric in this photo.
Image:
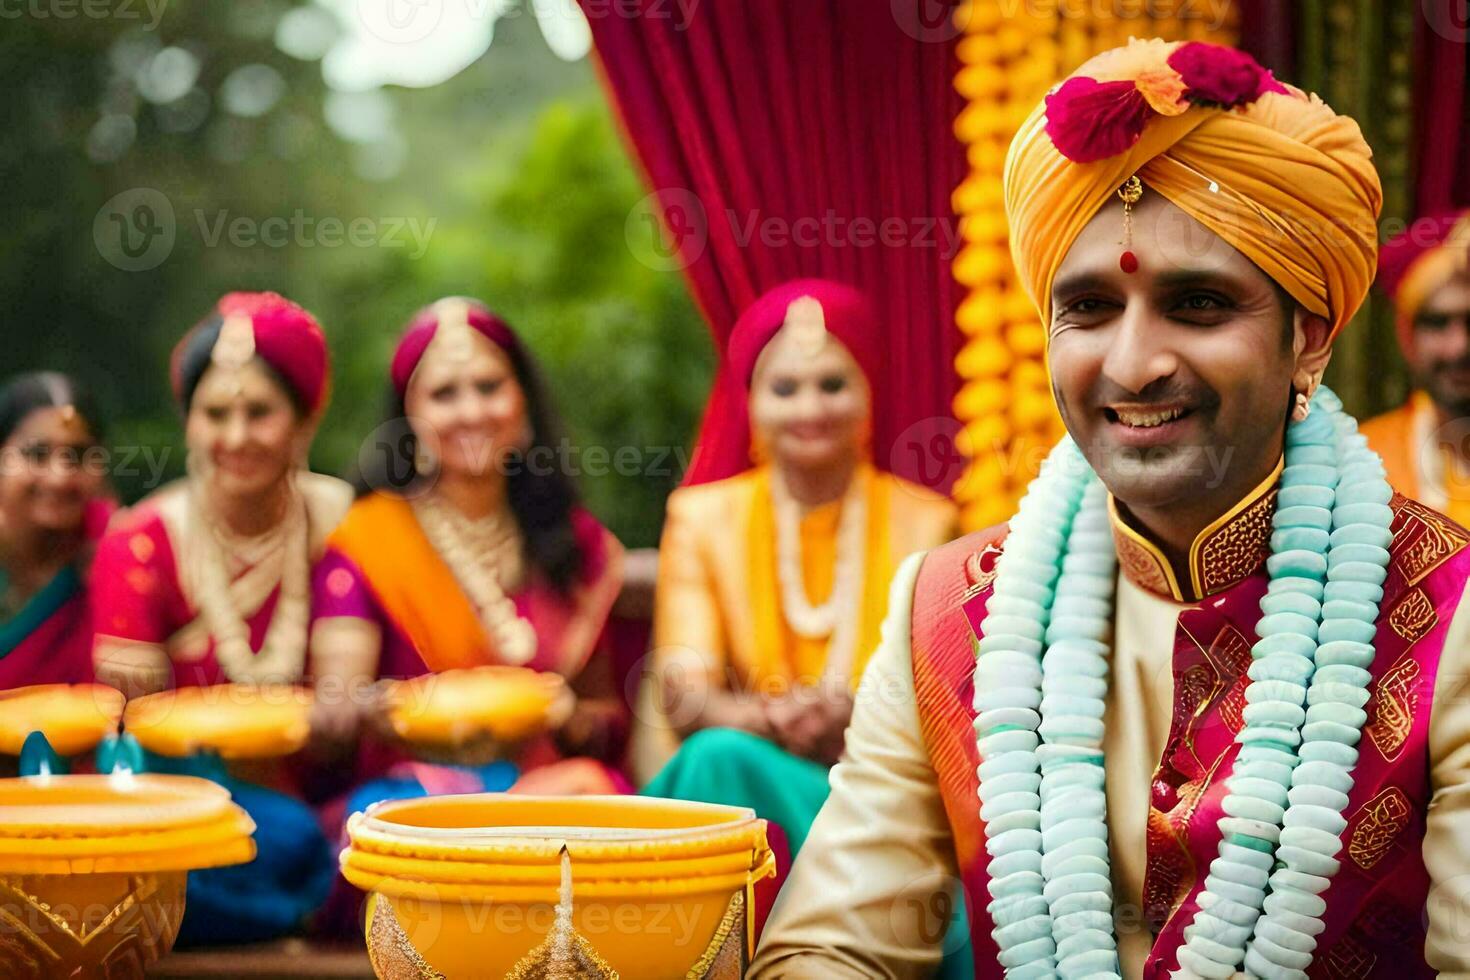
(274, 894)
(39, 608)
(496, 777)
(737, 768)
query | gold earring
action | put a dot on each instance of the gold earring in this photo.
(1302, 408)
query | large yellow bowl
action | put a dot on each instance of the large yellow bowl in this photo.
(93, 869)
(236, 721)
(73, 717)
(497, 885)
(455, 706)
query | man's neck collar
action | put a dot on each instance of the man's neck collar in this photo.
(1231, 548)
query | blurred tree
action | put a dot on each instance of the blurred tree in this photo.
(150, 165)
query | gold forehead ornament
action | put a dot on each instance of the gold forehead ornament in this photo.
(806, 324)
(454, 340)
(234, 348)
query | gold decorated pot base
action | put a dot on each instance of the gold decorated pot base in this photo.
(564, 955)
(107, 926)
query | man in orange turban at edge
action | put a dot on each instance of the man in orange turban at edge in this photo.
(1426, 272)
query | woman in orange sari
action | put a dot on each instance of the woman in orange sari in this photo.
(467, 547)
(772, 584)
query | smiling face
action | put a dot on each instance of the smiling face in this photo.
(244, 427)
(1439, 350)
(467, 409)
(45, 476)
(1176, 381)
(808, 407)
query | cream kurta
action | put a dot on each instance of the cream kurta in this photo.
(860, 898)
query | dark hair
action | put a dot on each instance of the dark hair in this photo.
(541, 498)
(194, 360)
(26, 393)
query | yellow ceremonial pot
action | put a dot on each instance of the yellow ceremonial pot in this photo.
(495, 885)
(92, 868)
(235, 721)
(73, 717)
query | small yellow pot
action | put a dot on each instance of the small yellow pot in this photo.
(73, 717)
(93, 868)
(496, 885)
(236, 721)
(447, 708)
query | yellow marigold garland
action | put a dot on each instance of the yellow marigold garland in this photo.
(1011, 52)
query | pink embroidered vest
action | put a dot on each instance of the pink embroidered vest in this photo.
(1375, 919)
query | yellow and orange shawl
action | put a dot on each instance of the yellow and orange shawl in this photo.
(719, 595)
(1418, 466)
(420, 595)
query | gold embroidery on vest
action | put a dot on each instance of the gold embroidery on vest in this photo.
(1379, 823)
(1423, 540)
(1237, 548)
(1349, 959)
(1230, 655)
(1170, 874)
(1413, 616)
(1143, 566)
(1391, 707)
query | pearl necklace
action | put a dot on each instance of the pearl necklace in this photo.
(836, 617)
(282, 655)
(1040, 689)
(481, 555)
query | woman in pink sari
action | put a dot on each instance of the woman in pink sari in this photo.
(467, 547)
(53, 508)
(208, 581)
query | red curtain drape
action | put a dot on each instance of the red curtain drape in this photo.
(1441, 137)
(789, 138)
(1268, 32)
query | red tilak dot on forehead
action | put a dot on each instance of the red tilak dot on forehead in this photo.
(1128, 262)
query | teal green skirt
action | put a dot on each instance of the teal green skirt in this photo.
(736, 768)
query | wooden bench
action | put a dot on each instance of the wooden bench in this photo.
(288, 959)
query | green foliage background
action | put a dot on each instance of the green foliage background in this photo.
(516, 162)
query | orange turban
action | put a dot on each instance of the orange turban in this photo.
(1412, 265)
(1274, 172)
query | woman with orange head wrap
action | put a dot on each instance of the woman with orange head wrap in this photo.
(1426, 272)
(772, 583)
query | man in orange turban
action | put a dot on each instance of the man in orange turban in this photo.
(1142, 728)
(1426, 272)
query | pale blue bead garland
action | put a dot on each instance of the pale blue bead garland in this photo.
(1039, 718)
